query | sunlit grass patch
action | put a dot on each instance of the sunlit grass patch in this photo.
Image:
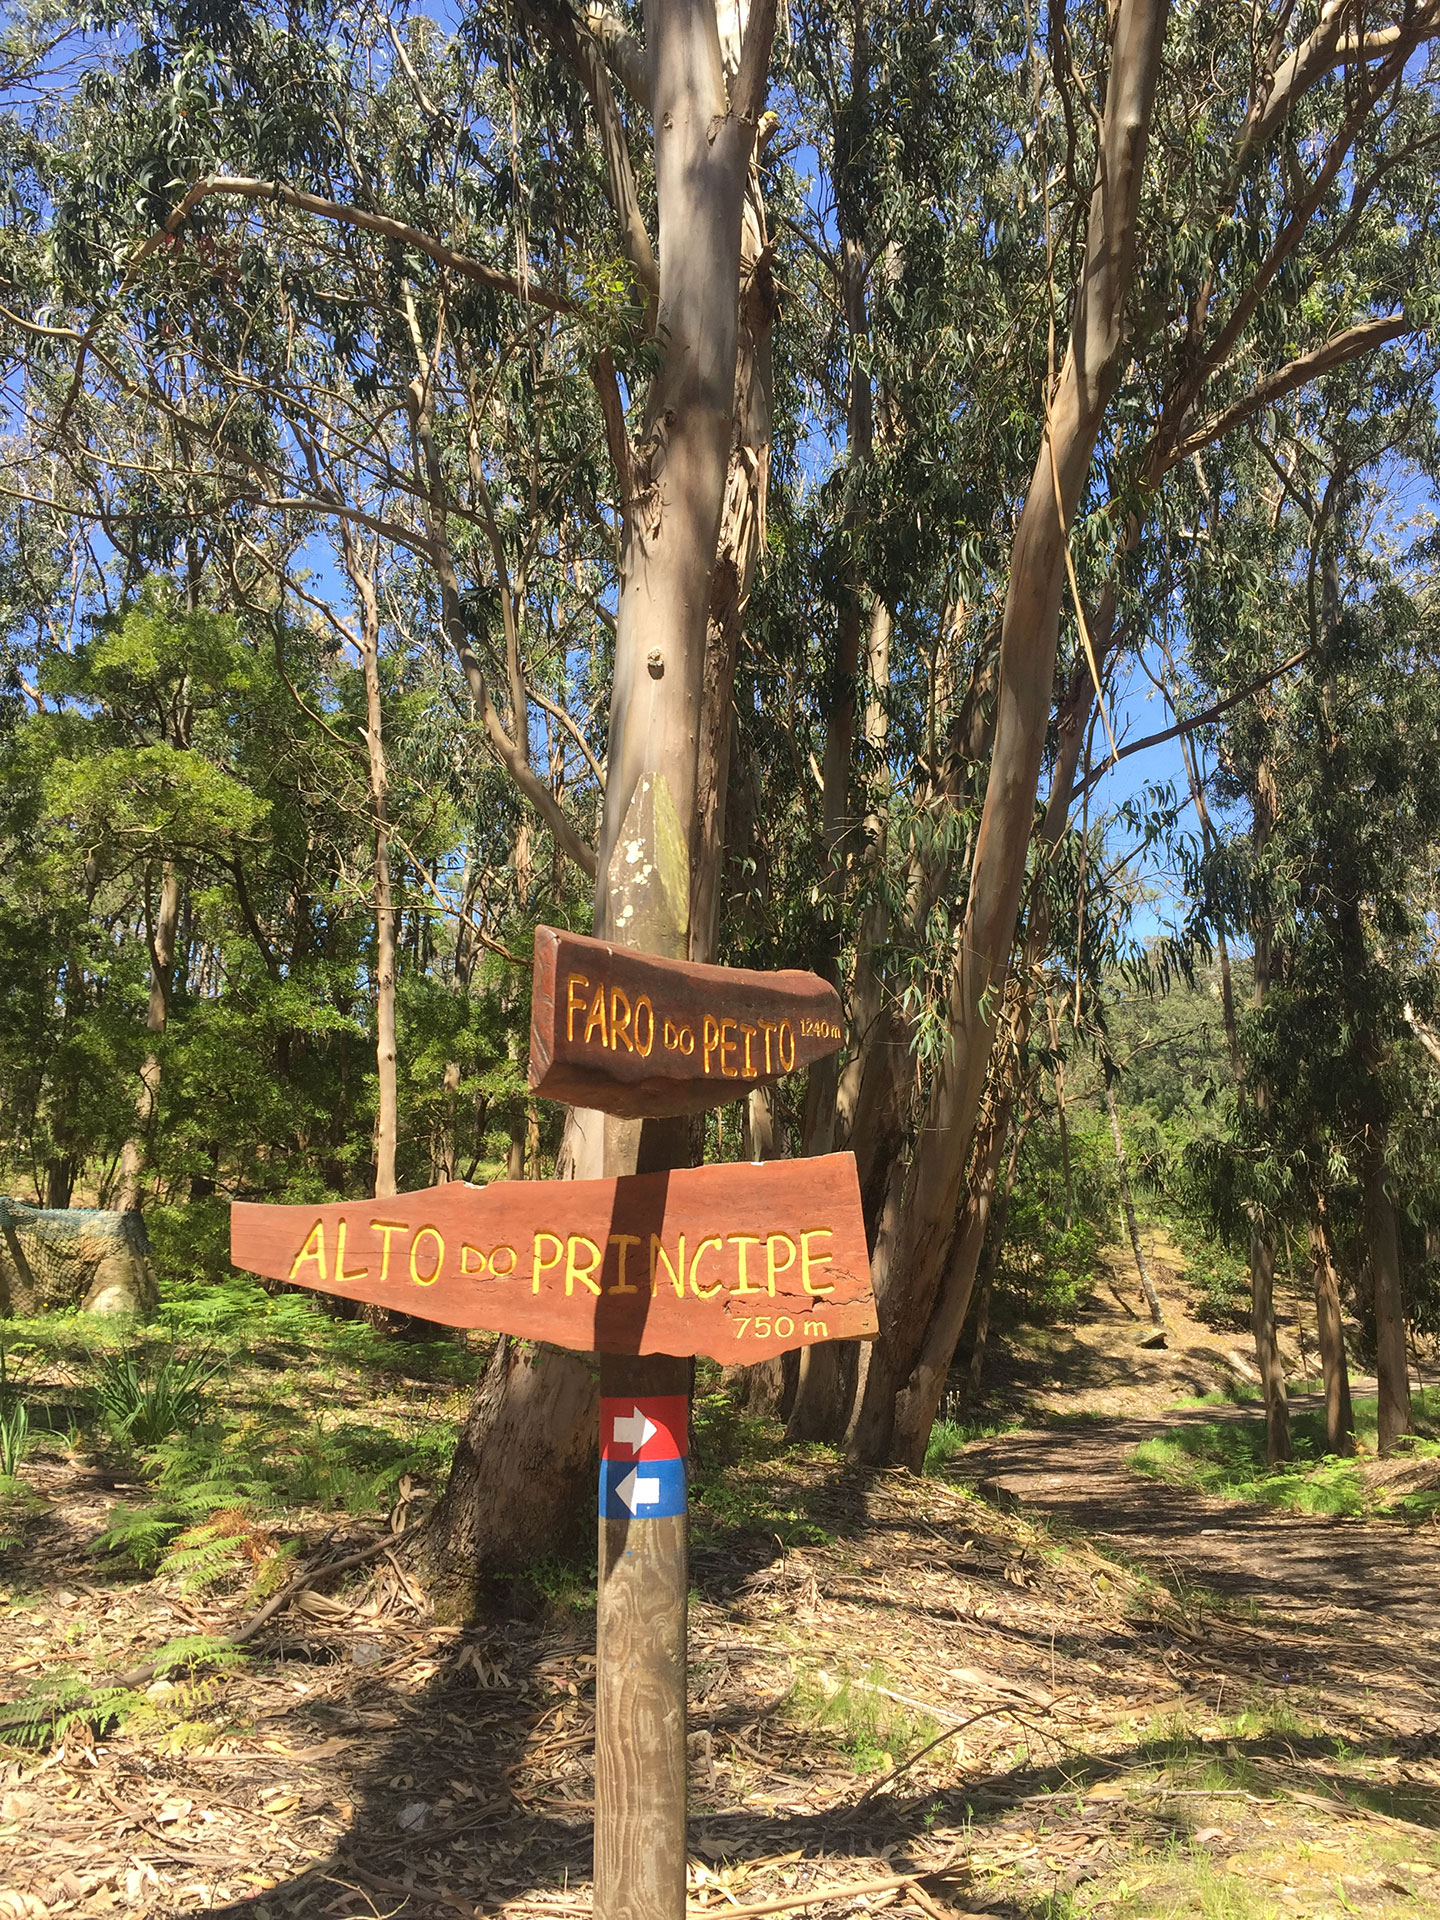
(875, 1731)
(949, 1438)
(1227, 1458)
(233, 1409)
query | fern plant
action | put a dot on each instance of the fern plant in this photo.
(145, 1534)
(55, 1702)
(215, 1549)
(14, 1417)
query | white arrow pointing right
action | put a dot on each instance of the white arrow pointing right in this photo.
(636, 1492)
(633, 1430)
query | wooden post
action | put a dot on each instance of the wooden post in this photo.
(640, 1692)
(644, 1559)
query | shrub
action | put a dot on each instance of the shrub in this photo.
(146, 1397)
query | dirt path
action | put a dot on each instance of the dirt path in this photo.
(1352, 1610)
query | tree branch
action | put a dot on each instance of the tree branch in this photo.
(1189, 724)
(556, 19)
(381, 223)
(626, 58)
(753, 79)
(510, 752)
(1310, 366)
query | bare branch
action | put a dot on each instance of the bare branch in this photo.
(1189, 725)
(1310, 366)
(753, 80)
(458, 263)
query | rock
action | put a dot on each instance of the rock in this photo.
(1156, 1338)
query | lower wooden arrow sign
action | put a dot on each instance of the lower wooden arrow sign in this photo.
(738, 1262)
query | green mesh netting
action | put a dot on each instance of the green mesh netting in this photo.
(57, 1258)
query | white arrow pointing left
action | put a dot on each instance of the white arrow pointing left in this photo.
(633, 1430)
(636, 1492)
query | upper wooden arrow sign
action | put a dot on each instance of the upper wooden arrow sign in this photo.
(632, 1034)
(738, 1262)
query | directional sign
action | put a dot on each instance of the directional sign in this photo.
(651, 1427)
(632, 1034)
(738, 1262)
(632, 1430)
(652, 1491)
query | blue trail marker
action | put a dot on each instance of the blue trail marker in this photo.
(641, 1490)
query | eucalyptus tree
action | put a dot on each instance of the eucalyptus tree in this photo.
(1328, 864)
(513, 300)
(1269, 171)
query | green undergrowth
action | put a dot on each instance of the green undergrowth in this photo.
(234, 1408)
(1227, 1458)
(874, 1731)
(949, 1438)
(742, 1478)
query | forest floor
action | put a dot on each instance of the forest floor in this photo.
(1145, 1701)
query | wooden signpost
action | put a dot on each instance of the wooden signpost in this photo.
(737, 1262)
(632, 1034)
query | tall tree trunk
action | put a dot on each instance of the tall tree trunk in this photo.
(387, 1116)
(1127, 1207)
(918, 1215)
(706, 99)
(918, 1403)
(1264, 810)
(519, 1478)
(1339, 1415)
(157, 1014)
(1267, 1347)
(1382, 1237)
(982, 1335)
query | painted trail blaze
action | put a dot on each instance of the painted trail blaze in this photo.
(734, 1261)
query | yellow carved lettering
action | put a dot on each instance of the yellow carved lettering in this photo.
(767, 1027)
(539, 1266)
(313, 1249)
(620, 1028)
(574, 1270)
(709, 1038)
(704, 1293)
(426, 1279)
(341, 1276)
(387, 1227)
(596, 1017)
(481, 1263)
(742, 1242)
(624, 1241)
(821, 1289)
(574, 1004)
(657, 1255)
(727, 1045)
(642, 1005)
(771, 1269)
(787, 1033)
(749, 1067)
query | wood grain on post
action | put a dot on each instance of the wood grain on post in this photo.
(644, 1564)
(640, 1687)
